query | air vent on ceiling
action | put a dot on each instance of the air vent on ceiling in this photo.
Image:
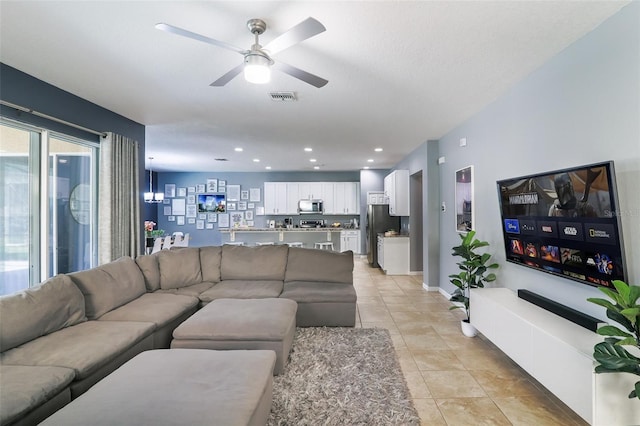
(283, 96)
(221, 159)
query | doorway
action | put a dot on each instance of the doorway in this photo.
(415, 223)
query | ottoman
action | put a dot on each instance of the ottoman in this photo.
(178, 387)
(231, 324)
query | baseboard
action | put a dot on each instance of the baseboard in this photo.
(444, 293)
(429, 288)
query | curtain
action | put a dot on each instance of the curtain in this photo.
(119, 229)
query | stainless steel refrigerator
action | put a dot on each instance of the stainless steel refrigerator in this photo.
(378, 221)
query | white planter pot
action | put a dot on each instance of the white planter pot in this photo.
(468, 329)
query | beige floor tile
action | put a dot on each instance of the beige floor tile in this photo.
(427, 339)
(398, 342)
(436, 360)
(471, 411)
(532, 410)
(417, 386)
(428, 412)
(406, 361)
(504, 383)
(452, 384)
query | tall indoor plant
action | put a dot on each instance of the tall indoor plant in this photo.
(625, 310)
(474, 272)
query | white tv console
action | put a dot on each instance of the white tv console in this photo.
(557, 353)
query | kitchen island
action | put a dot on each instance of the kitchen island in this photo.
(307, 236)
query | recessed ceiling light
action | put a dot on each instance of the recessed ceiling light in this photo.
(308, 149)
(370, 160)
(256, 160)
(268, 167)
(316, 167)
(313, 160)
(378, 150)
(238, 149)
(366, 167)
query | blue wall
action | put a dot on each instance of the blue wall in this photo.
(581, 107)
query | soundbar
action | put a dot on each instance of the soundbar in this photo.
(570, 314)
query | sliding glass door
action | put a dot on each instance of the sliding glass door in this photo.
(48, 222)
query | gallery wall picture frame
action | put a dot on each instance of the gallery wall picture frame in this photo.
(171, 218)
(169, 190)
(180, 220)
(248, 215)
(191, 189)
(178, 207)
(211, 217)
(182, 192)
(464, 203)
(254, 195)
(191, 199)
(242, 205)
(199, 224)
(233, 192)
(231, 206)
(244, 195)
(212, 185)
(251, 205)
(200, 188)
(223, 220)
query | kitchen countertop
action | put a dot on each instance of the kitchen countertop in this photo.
(327, 229)
(393, 236)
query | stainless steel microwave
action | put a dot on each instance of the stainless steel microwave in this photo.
(310, 207)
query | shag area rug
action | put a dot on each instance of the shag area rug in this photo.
(342, 376)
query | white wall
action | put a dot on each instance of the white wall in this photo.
(581, 107)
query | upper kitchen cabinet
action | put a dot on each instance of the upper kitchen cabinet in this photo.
(346, 198)
(310, 190)
(396, 189)
(275, 198)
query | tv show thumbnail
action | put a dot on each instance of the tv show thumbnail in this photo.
(532, 264)
(531, 250)
(516, 247)
(601, 262)
(571, 257)
(575, 275)
(552, 269)
(550, 253)
(599, 281)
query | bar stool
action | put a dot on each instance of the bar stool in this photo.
(295, 244)
(324, 245)
(266, 243)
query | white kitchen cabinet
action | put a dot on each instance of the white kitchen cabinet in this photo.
(393, 255)
(346, 198)
(350, 240)
(275, 198)
(310, 190)
(557, 353)
(396, 189)
(293, 196)
(328, 197)
(377, 197)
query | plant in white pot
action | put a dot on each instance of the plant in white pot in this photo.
(623, 308)
(474, 272)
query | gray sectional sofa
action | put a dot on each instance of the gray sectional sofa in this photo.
(58, 339)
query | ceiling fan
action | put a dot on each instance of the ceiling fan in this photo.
(257, 60)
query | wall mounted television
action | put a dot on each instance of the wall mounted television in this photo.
(212, 203)
(566, 223)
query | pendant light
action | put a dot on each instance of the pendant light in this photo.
(151, 197)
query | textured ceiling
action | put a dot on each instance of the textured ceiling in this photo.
(400, 72)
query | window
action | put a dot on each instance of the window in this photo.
(51, 231)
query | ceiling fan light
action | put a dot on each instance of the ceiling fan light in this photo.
(256, 69)
(148, 196)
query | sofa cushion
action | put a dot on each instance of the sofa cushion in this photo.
(179, 268)
(109, 286)
(25, 388)
(210, 258)
(305, 264)
(148, 264)
(83, 347)
(253, 263)
(158, 308)
(55, 304)
(192, 290)
(238, 289)
(318, 292)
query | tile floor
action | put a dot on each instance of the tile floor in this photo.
(453, 379)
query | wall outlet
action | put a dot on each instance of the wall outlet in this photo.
(463, 141)
(441, 160)
(444, 207)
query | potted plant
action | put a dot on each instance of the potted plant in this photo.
(624, 310)
(150, 233)
(474, 272)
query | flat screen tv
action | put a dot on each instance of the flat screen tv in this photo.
(566, 223)
(212, 203)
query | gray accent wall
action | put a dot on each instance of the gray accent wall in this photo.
(581, 107)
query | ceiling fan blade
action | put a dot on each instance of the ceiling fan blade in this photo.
(313, 80)
(304, 30)
(228, 76)
(184, 33)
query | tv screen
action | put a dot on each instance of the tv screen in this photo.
(566, 223)
(212, 203)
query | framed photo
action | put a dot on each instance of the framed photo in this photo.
(248, 215)
(251, 205)
(233, 192)
(250, 223)
(254, 195)
(465, 217)
(166, 201)
(178, 207)
(223, 220)
(202, 216)
(191, 189)
(212, 185)
(200, 189)
(169, 190)
(180, 220)
(209, 225)
(212, 217)
(167, 210)
(242, 205)
(237, 218)
(191, 221)
(192, 210)
(231, 206)
(182, 192)
(171, 218)
(244, 195)
(191, 199)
